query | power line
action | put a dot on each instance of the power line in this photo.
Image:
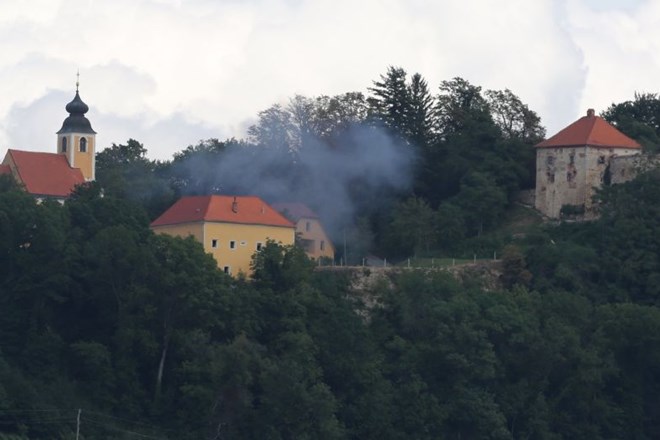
(33, 410)
(146, 425)
(114, 428)
(78, 417)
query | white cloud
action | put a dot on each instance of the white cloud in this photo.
(621, 50)
(211, 65)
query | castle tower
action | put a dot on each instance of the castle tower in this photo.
(571, 165)
(76, 139)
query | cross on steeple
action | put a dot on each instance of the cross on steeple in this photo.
(77, 80)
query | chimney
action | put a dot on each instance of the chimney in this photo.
(590, 113)
(234, 206)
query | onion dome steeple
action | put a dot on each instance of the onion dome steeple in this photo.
(76, 122)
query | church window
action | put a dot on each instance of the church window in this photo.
(214, 243)
(63, 145)
(227, 270)
(83, 145)
(232, 244)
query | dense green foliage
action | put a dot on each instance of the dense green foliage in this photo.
(144, 335)
(148, 338)
(639, 119)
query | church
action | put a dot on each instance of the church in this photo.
(55, 175)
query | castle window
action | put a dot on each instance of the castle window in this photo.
(551, 177)
(550, 160)
(571, 159)
(601, 160)
(63, 145)
(83, 145)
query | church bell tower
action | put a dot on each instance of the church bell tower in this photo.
(76, 139)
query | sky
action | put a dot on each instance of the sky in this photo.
(172, 72)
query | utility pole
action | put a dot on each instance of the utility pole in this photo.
(78, 425)
(345, 254)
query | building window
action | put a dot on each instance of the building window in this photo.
(214, 243)
(243, 243)
(259, 246)
(232, 244)
(322, 245)
(83, 145)
(307, 245)
(601, 160)
(63, 145)
(308, 226)
(550, 160)
(227, 270)
(571, 159)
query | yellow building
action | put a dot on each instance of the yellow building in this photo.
(310, 234)
(76, 140)
(230, 228)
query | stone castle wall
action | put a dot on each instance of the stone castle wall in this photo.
(625, 168)
(571, 175)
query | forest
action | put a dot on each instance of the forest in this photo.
(108, 331)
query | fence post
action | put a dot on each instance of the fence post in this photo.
(408, 263)
(474, 259)
(384, 262)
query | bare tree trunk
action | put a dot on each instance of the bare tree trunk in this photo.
(161, 366)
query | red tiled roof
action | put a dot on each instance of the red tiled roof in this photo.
(294, 211)
(590, 130)
(46, 174)
(248, 210)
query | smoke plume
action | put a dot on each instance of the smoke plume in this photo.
(357, 170)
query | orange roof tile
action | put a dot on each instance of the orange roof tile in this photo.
(590, 130)
(46, 174)
(294, 211)
(248, 210)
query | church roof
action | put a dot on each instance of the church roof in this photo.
(76, 122)
(45, 174)
(294, 210)
(226, 209)
(590, 130)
